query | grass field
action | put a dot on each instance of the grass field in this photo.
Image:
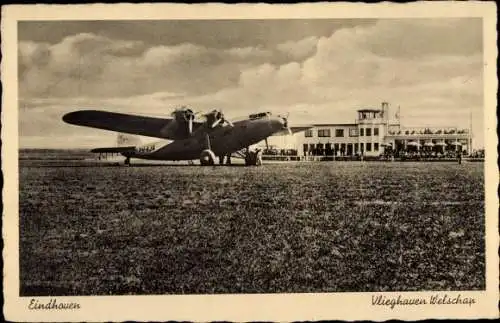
(306, 227)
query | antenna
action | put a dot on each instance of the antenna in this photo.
(398, 116)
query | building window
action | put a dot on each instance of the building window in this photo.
(353, 132)
(375, 146)
(361, 147)
(308, 133)
(361, 132)
(355, 148)
(324, 133)
(305, 147)
(375, 131)
(339, 132)
(368, 146)
(368, 133)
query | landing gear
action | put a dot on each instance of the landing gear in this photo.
(228, 160)
(127, 161)
(207, 158)
(253, 158)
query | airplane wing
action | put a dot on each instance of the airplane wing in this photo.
(299, 129)
(292, 130)
(120, 122)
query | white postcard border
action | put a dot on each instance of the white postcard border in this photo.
(268, 307)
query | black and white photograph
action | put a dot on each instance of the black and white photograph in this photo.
(230, 157)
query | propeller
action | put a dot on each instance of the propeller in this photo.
(185, 115)
(285, 122)
(215, 118)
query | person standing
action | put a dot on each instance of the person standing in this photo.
(258, 157)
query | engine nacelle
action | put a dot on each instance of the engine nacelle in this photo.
(207, 157)
(181, 126)
(216, 118)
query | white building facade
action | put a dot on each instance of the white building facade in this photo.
(373, 134)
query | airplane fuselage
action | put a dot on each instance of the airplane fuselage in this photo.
(223, 140)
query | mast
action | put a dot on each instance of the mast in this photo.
(470, 130)
(399, 117)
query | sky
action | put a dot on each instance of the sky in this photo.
(317, 70)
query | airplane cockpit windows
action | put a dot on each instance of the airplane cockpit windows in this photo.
(259, 115)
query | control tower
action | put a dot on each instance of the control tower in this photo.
(372, 127)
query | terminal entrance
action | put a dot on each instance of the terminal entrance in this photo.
(350, 151)
(329, 149)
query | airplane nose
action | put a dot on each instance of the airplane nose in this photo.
(279, 123)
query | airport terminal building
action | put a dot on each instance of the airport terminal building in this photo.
(374, 133)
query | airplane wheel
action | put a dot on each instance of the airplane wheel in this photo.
(207, 158)
(127, 161)
(252, 159)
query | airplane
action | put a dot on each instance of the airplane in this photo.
(185, 138)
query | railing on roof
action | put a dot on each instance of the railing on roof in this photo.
(428, 131)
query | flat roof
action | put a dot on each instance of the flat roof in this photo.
(369, 110)
(335, 124)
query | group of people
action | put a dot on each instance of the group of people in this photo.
(405, 154)
(280, 152)
(477, 154)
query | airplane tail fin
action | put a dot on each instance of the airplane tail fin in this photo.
(125, 140)
(125, 144)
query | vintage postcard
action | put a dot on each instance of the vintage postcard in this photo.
(213, 162)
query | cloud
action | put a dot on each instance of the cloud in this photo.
(417, 37)
(93, 65)
(345, 69)
(75, 64)
(299, 50)
(419, 64)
